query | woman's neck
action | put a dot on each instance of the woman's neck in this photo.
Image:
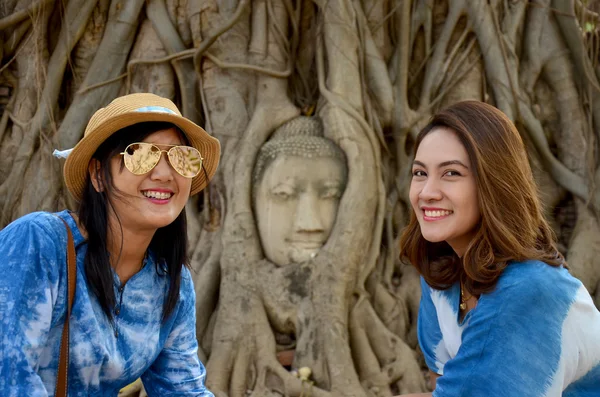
(127, 249)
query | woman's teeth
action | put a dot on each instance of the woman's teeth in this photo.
(437, 213)
(157, 195)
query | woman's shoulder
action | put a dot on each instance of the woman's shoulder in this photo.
(535, 275)
(41, 223)
(34, 244)
(537, 284)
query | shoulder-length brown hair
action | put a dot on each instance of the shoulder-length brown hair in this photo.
(512, 225)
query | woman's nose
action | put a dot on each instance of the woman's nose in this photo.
(162, 170)
(431, 191)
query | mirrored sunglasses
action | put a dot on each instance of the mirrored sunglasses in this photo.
(141, 157)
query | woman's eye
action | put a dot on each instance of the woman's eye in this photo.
(452, 173)
(419, 173)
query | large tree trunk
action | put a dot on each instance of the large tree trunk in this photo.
(373, 72)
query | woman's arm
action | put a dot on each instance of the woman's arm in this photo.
(29, 278)
(416, 395)
(432, 380)
(177, 369)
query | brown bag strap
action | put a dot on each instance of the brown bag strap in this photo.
(63, 360)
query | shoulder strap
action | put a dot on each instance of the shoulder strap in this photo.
(63, 360)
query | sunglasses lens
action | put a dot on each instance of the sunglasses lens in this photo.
(140, 158)
(186, 160)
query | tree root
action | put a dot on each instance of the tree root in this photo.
(500, 77)
(87, 46)
(377, 78)
(243, 357)
(158, 79)
(383, 359)
(114, 49)
(584, 249)
(348, 111)
(434, 69)
(206, 43)
(23, 14)
(18, 147)
(9, 106)
(158, 15)
(572, 36)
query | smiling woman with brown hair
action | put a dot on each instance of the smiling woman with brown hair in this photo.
(500, 314)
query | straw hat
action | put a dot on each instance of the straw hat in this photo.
(132, 109)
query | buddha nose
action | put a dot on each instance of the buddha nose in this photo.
(308, 215)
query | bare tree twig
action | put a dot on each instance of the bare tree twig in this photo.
(14, 57)
(259, 69)
(101, 84)
(388, 16)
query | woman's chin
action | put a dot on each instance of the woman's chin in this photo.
(434, 238)
(157, 222)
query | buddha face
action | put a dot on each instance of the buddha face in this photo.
(296, 203)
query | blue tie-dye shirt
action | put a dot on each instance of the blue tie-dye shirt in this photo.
(103, 357)
(536, 335)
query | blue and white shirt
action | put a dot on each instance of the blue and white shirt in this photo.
(103, 358)
(536, 335)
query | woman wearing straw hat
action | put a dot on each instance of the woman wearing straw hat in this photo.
(133, 312)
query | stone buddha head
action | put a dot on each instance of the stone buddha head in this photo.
(298, 180)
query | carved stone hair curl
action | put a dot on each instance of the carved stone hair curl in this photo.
(303, 137)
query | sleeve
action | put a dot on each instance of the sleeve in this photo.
(177, 371)
(511, 346)
(28, 288)
(428, 331)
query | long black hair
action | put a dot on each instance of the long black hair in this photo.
(169, 244)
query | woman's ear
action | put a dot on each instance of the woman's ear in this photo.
(94, 168)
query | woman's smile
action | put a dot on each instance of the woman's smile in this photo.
(158, 196)
(431, 214)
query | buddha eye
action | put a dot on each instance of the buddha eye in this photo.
(283, 193)
(331, 193)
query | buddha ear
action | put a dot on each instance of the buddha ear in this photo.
(95, 170)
